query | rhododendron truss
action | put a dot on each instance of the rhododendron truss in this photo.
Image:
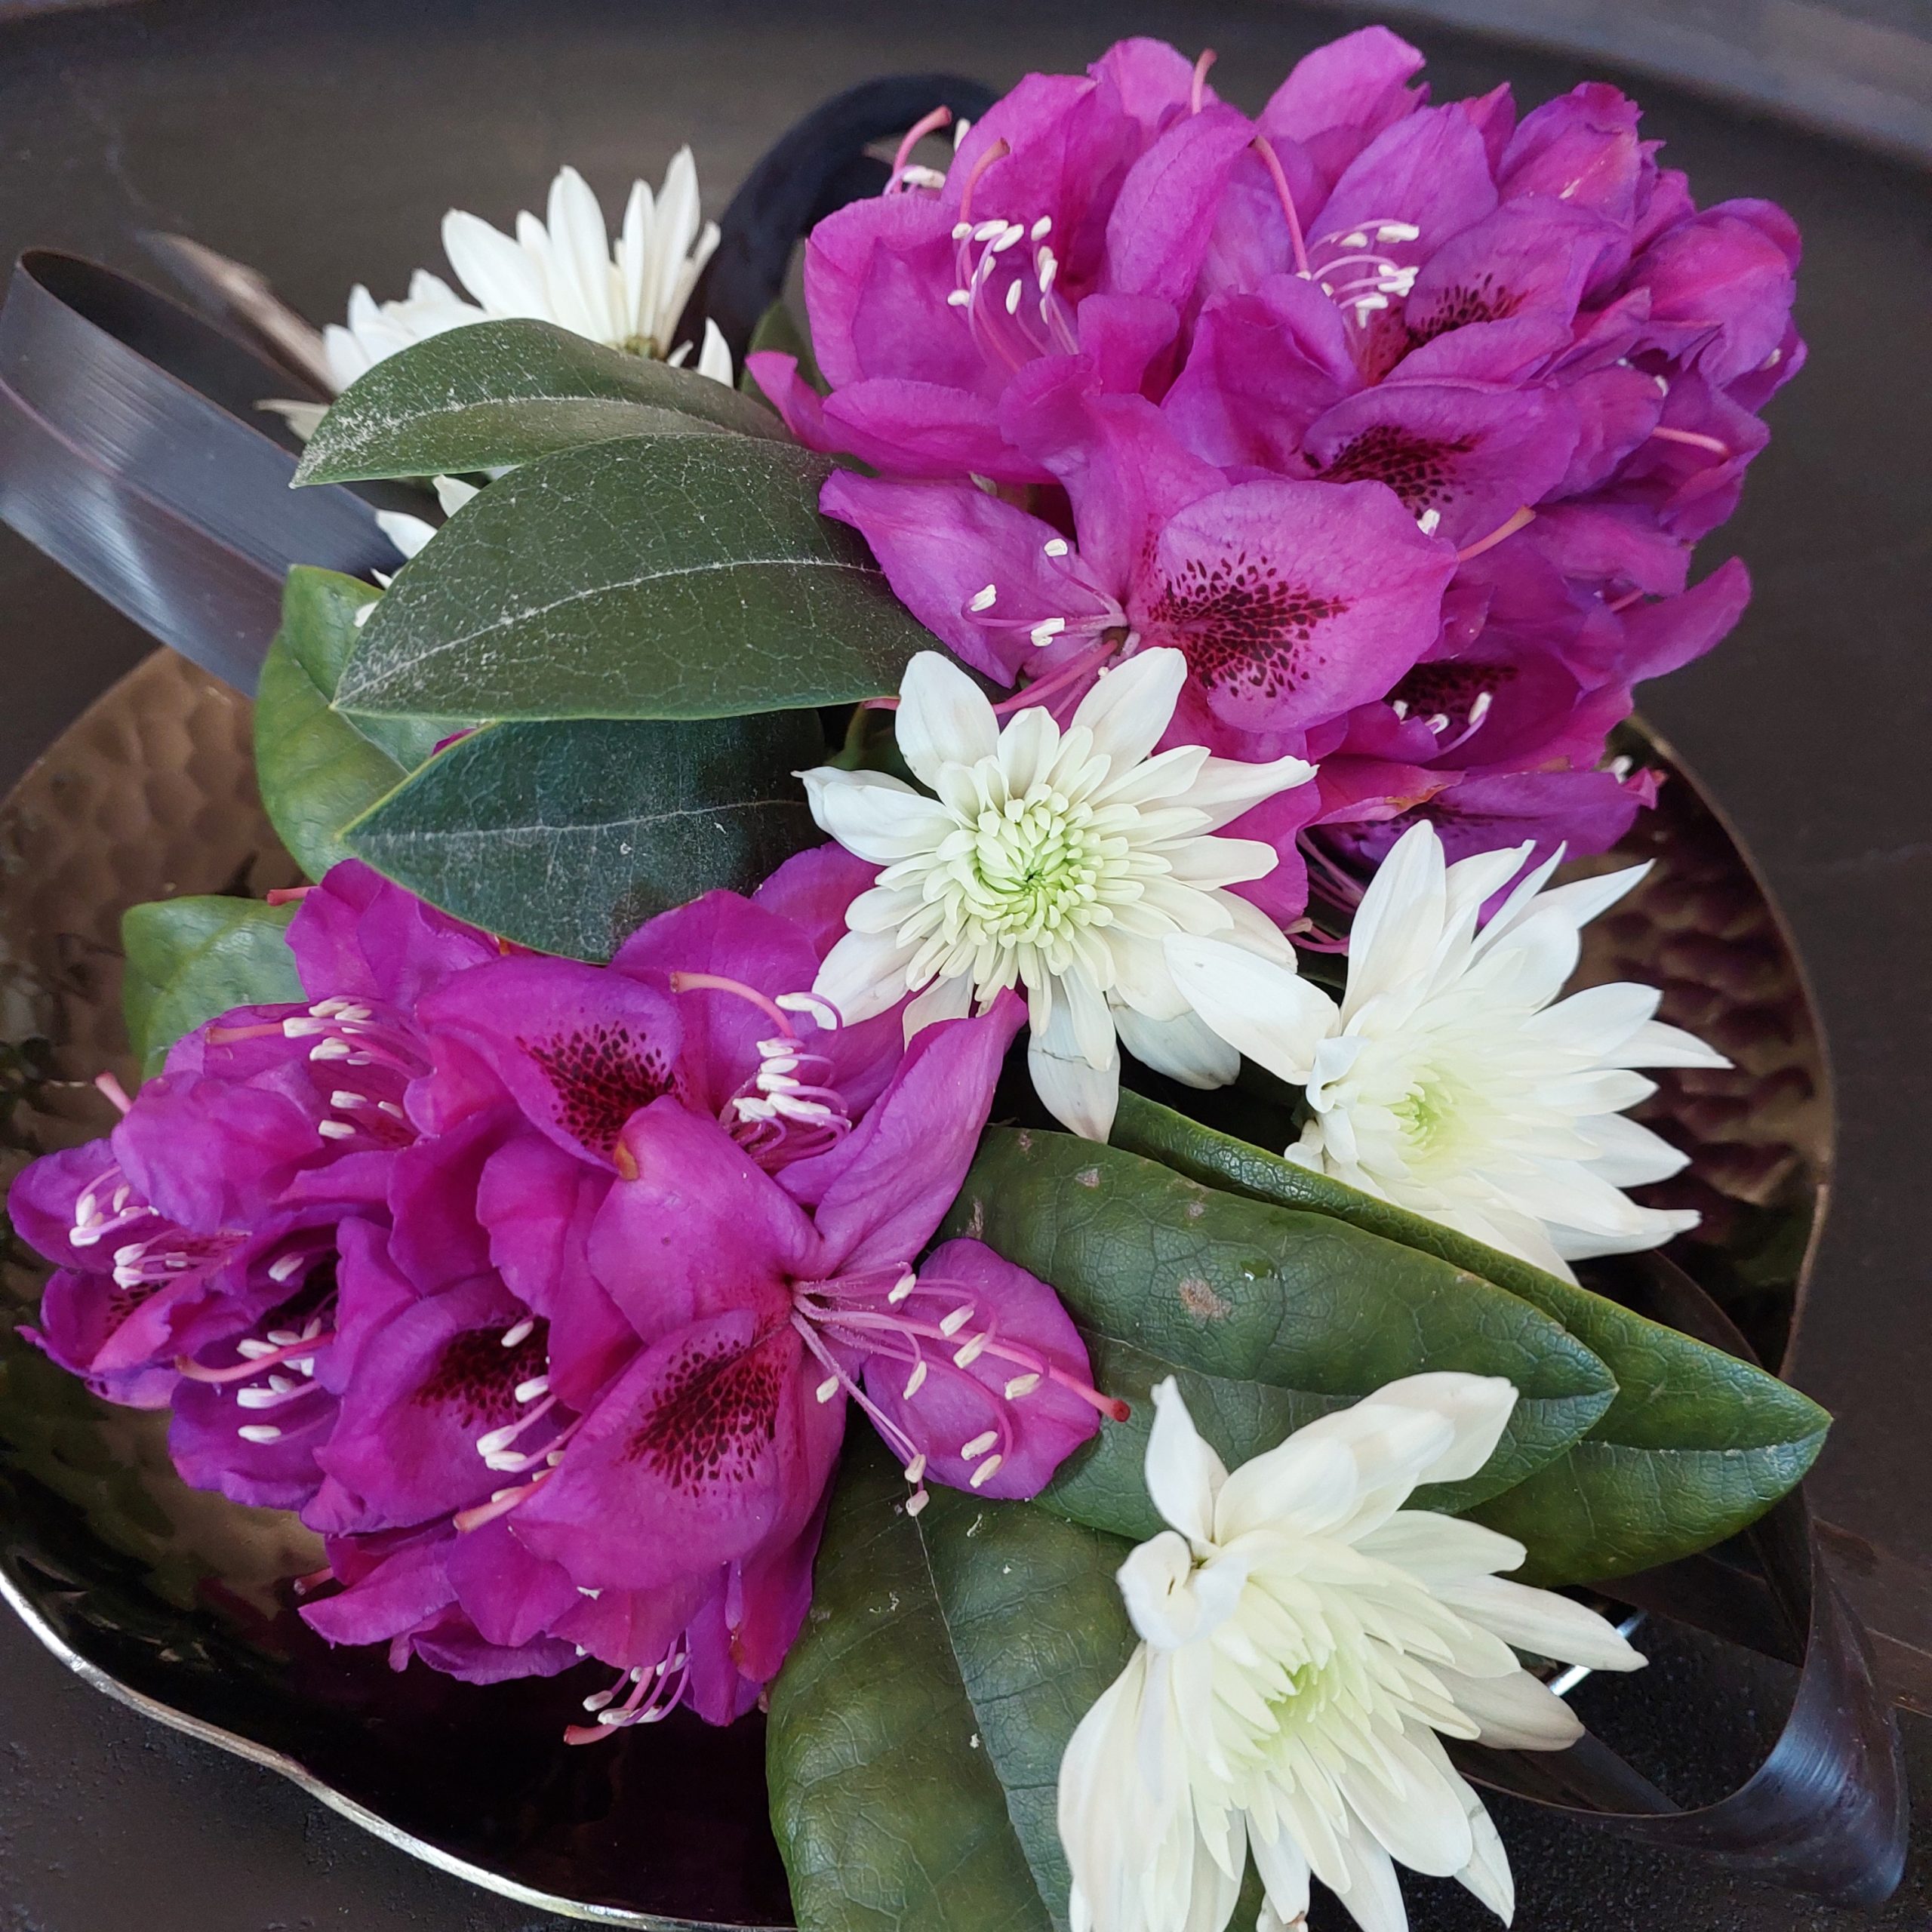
(542, 1290)
(1400, 420)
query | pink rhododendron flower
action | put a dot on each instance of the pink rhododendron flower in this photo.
(1359, 401)
(541, 1289)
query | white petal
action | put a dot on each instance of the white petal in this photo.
(1373, 1896)
(1227, 787)
(875, 816)
(943, 718)
(714, 359)
(1659, 1045)
(1184, 1049)
(1629, 1155)
(1390, 1445)
(1080, 1097)
(1157, 1585)
(452, 492)
(863, 975)
(1129, 707)
(1516, 1712)
(1260, 1007)
(1654, 1226)
(1437, 1549)
(1476, 1407)
(1541, 1622)
(408, 533)
(1284, 1871)
(494, 269)
(944, 999)
(1184, 1475)
(1423, 1822)
(1400, 920)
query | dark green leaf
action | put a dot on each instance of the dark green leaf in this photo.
(1696, 1445)
(317, 769)
(659, 576)
(1288, 1314)
(916, 1730)
(188, 959)
(568, 837)
(499, 393)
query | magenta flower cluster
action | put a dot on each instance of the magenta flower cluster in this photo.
(541, 1290)
(1400, 421)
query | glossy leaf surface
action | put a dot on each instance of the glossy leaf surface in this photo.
(656, 576)
(568, 837)
(1275, 1316)
(1697, 1444)
(317, 769)
(499, 393)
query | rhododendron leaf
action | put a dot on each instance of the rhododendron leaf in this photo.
(1288, 1315)
(1697, 1445)
(188, 959)
(655, 576)
(568, 837)
(915, 1732)
(504, 392)
(317, 769)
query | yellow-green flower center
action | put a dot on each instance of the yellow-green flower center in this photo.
(1034, 867)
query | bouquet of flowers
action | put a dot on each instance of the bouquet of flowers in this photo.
(1169, 597)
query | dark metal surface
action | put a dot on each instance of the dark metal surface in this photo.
(323, 143)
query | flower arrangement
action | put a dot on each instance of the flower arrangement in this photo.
(1173, 600)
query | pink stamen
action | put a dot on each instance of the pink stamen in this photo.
(1624, 602)
(999, 151)
(1197, 93)
(929, 124)
(1693, 439)
(1080, 667)
(289, 895)
(296, 1350)
(1109, 1406)
(715, 982)
(1516, 520)
(1266, 149)
(114, 1091)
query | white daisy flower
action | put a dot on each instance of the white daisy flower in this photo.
(1055, 861)
(1306, 1643)
(630, 294)
(1445, 1081)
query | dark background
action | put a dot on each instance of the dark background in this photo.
(323, 143)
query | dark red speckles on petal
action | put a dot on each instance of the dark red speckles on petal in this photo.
(1447, 689)
(602, 1075)
(1420, 469)
(1241, 625)
(478, 1377)
(1485, 300)
(717, 1415)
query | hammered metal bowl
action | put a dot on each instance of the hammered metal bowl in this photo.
(183, 1604)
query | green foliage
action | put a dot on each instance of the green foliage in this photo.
(568, 837)
(317, 769)
(188, 959)
(1696, 1445)
(916, 1728)
(501, 393)
(1267, 1319)
(655, 576)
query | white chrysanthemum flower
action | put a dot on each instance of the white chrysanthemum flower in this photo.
(1306, 1643)
(629, 295)
(1055, 861)
(1445, 1081)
